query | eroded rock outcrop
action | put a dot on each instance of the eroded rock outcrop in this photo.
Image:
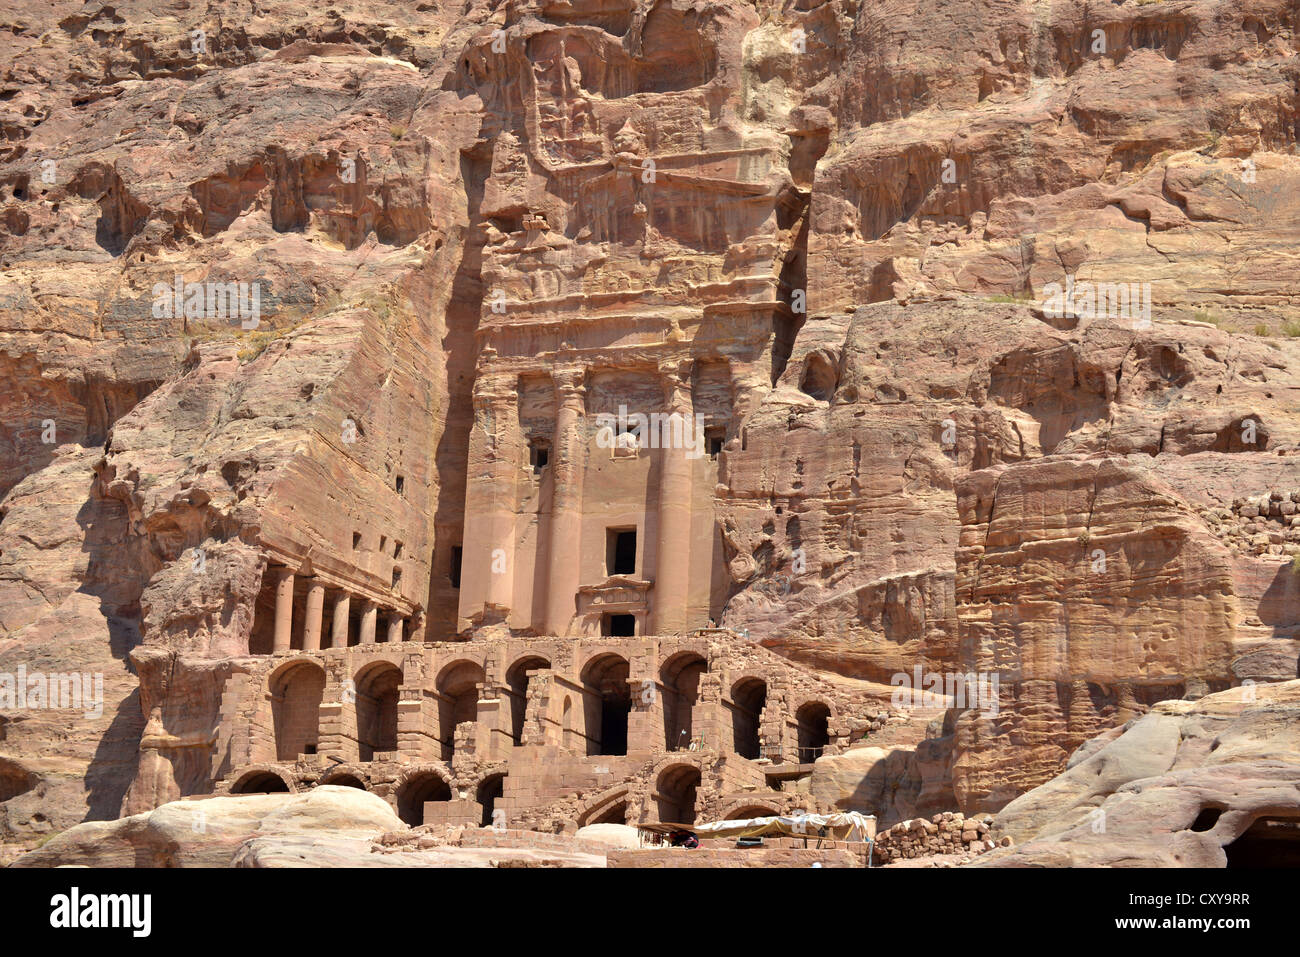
(213, 832)
(1191, 784)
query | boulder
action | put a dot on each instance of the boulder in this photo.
(211, 832)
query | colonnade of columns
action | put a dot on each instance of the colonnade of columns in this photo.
(315, 613)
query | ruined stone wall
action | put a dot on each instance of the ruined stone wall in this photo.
(949, 833)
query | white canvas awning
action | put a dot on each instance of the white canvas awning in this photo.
(845, 826)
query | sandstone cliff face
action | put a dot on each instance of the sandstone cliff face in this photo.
(924, 461)
(146, 444)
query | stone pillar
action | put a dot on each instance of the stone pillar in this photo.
(496, 460)
(395, 622)
(336, 708)
(412, 742)
(645, 722)
(505, 470)
(670, 597)
(563, 559)
(315, 611)
(492, 724)
(339, 632)
(369, 618)
(710, 720)
(284, 611)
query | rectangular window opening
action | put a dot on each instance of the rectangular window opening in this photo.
(539, 454)
(455, 566)
(714, 439)
(620, 551)
(618, 626)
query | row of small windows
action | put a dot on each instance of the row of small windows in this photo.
(383, 544)
(539, 450)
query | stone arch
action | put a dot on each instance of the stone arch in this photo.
(263, 779)
(680, 676)
(296, 689)
(607, 807)
(490, 790)
(748, 698)
(458, 686)
(377, 693)
(517, 682)
(676, 793)
(812, 721)
(606, 702)
(349, 781)
(343, 775)
(746, 809)
(612, 814)
(417, 786)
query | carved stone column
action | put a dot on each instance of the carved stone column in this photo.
(339, 631)
(564, 551)
(491, 500)
(670, 598)
(369, 618)
(315, 612)
(284, 611)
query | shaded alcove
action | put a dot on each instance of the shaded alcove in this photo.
(614, 814)
(675, 792)
(607, 701)
(1268, 842)
(490, 790)
(748, 697)
(416, 792)
(458, 689)
(680, 676)
(296, 692)
(377, 693)
(263, 782)
(517, 679)
(346, 781)
(813, 720)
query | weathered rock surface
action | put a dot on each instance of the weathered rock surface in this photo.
(211, 832)
(893, 783)
(1190, 784)
(326, 827)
